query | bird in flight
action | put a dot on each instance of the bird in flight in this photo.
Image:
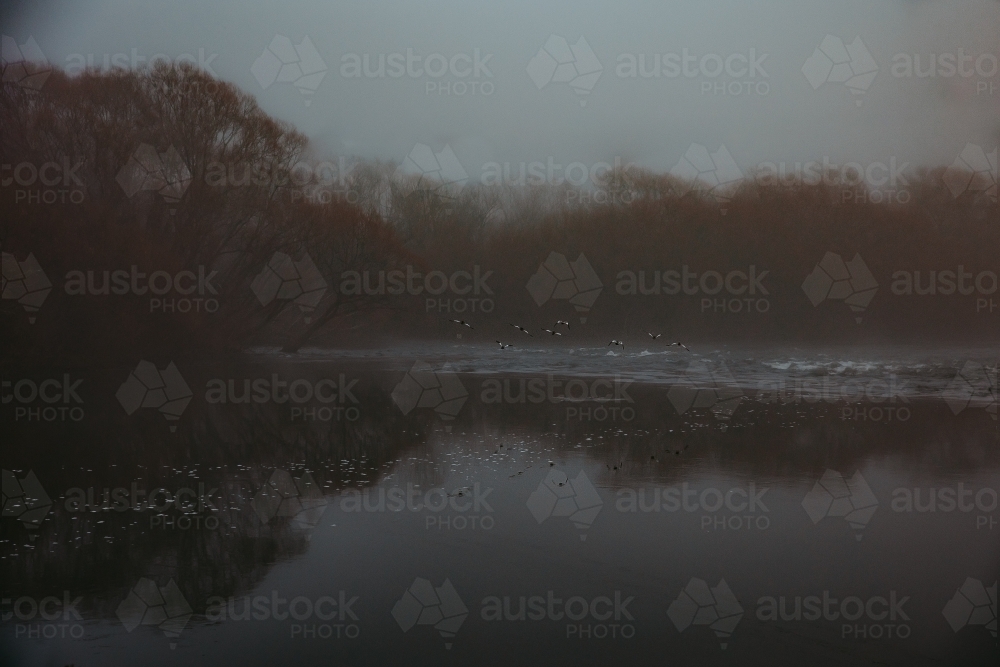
(653, 336)
(551, 332)
(616, 342)
(561, 322)
(503, 346)
(463, 323)
(681, 344)
(520, 328)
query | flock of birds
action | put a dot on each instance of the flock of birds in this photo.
(555, 332)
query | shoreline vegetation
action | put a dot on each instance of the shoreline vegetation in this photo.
(172, 191)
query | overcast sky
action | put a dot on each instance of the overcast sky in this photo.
(525, 102)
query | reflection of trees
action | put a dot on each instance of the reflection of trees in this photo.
(237, 447)
(232, 448)
(764, 439)
(107, 551)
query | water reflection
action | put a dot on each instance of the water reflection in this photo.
(336, 511)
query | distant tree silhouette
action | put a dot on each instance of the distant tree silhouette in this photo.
(173, 170)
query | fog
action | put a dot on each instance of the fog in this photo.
(344, 333)
(489, 109)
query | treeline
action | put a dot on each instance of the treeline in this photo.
(148, 204)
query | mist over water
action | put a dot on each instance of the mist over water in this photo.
(521, 334)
